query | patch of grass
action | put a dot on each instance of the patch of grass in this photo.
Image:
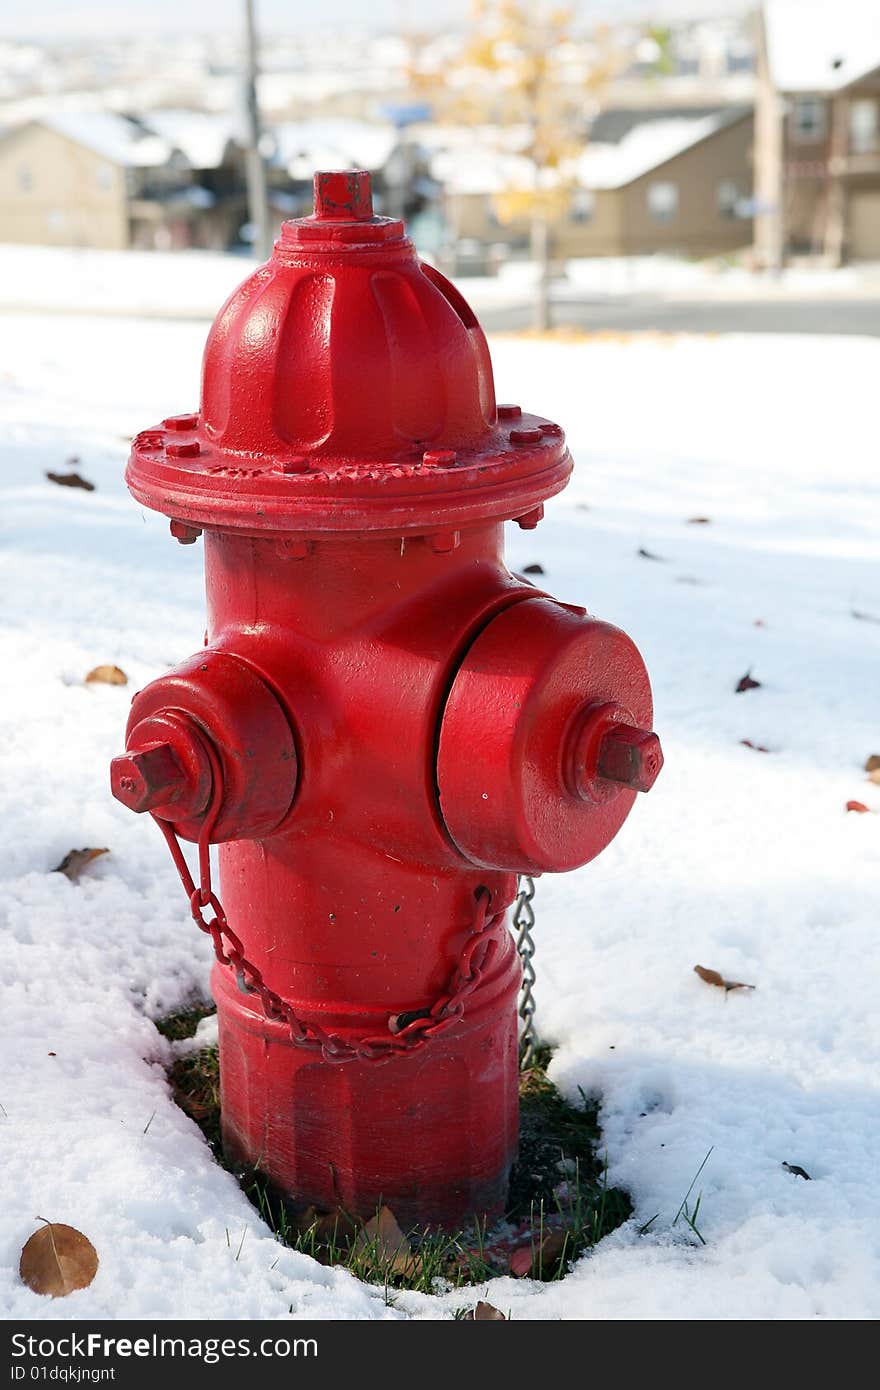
(182, 1023)
(559, 1201)
(195, 1081)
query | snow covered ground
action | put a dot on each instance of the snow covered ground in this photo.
(192, 284)
(738, 860)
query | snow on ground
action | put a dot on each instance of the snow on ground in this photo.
(193, 284)
(740, 861)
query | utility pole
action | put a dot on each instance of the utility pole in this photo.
(255, 168)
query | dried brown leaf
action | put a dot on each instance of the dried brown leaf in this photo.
(57, 1259)
(383, 1239)
(798, 1172)
(698, 521)
(484, 1312)
(75, 860)
(758, 747)
(712, 977)
(540, 1260)
(336, 1226)
(747, 682)
(71, 480)
(107, 675)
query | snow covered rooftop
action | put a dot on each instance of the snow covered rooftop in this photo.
(202, 138)
(304, 146)
(479, 166)
(813, 46)
(644, 147)
(481, 169)
(114, 137)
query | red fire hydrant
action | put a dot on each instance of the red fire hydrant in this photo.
(385, 725)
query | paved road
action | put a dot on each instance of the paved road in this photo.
(641, 313)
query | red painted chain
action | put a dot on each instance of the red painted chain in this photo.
(407, 1032)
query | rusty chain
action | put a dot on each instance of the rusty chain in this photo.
(407, 1031)
(523, 922)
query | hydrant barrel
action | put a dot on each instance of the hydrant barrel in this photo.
(385, 726)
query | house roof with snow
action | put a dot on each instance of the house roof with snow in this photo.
(304, 146)
(646, 145)
(820, 46)
(481, 169)
(119, 139)
(644, 141)
(203, 139)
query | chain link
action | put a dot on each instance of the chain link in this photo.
(407, 1031)
(523, 922)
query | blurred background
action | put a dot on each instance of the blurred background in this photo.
(618, 164)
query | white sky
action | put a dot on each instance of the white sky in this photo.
(62, 18)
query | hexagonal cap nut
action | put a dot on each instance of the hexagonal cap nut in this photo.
(631, 757)
(150, 778)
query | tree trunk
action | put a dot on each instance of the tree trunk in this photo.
(541, 255)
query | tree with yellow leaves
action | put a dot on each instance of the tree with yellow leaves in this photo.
(528, 75)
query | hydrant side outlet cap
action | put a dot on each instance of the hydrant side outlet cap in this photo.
(347, 386)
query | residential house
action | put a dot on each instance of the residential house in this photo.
(817, 134)
(648, 180)
(99, 179)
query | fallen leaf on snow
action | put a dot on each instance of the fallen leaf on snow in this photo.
(484, 1312)
(107, 675)
(858, 806)
(712, 977)
(57, 1259)
(747, 682)
(75, 860)
(758, 747)
(698, 521)
(648, 554)
(71, 480)
(798, 1171)
(383, 1239)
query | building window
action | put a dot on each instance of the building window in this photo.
(583, 205)
(663, 201)
(863, 127)
(727, 197)
(25, 178)
(808, 120)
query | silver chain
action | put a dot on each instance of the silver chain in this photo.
(523, 921)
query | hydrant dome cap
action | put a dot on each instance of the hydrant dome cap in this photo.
(347, 386)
